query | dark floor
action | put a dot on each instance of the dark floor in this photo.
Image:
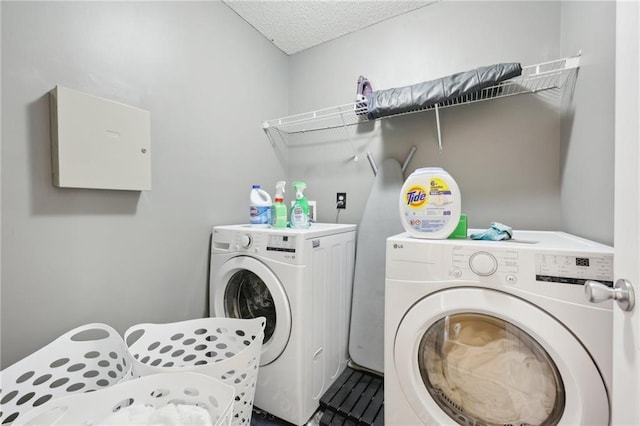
(356, 398)
(262, 418)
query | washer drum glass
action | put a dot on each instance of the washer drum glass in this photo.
(247, 297)
(482, 370)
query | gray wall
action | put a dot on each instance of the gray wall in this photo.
(73, 256)
(70, 257)
(482, 143)
(513, 158)
(587, 159)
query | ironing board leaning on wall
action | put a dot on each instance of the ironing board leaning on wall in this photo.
(380, 220)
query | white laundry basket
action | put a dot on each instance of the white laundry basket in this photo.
(87, 358)
(155, 391)
(227, 349)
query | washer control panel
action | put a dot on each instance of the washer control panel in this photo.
(574, 269)
(483, 263)
(283, 247)
(244, 241)
(509, 266)
(471, 263)
(283, 243)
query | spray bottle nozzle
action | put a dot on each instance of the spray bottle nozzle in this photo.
(280, 191)
(299, 187)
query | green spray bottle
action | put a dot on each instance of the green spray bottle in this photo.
(300, 209)
(279, 209)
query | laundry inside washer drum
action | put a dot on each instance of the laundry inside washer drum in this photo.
(247, 297)
(478, 367)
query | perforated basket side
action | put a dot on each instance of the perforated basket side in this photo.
(87, 358)
(227, 349)
(156, 391)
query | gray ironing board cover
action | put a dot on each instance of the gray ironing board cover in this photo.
(386, 102)
(380, 220)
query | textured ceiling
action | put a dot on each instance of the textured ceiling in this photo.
(296, 25)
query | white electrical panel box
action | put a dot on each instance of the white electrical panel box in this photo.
(97, 143)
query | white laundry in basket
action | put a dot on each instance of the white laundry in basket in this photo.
(227, 349)
(155, 391)
(169, 415)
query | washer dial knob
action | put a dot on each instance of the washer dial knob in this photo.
(245, 241)
(483, 263)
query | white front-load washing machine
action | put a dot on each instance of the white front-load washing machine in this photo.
(301, 281)
(497, 332)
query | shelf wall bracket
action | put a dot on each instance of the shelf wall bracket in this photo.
(372, 162)
(408, 159)
(438, 127)
(346, 130)
(405, 164)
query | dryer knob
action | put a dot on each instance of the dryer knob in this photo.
(483, 263)
(245, 241)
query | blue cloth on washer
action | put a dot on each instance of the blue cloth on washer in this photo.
(496, 232)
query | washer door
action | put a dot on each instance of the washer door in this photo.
(483, 357)
(245, 288)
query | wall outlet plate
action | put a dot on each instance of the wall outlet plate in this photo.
(312, 210)
(341, 200)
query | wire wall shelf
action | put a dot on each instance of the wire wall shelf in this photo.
(534, 79)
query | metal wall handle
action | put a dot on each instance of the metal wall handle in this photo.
(622, 292)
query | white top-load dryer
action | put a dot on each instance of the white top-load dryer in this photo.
(497, 332)
(301, 281)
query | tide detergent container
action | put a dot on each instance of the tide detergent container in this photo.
(430, 203)
(259, 207)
